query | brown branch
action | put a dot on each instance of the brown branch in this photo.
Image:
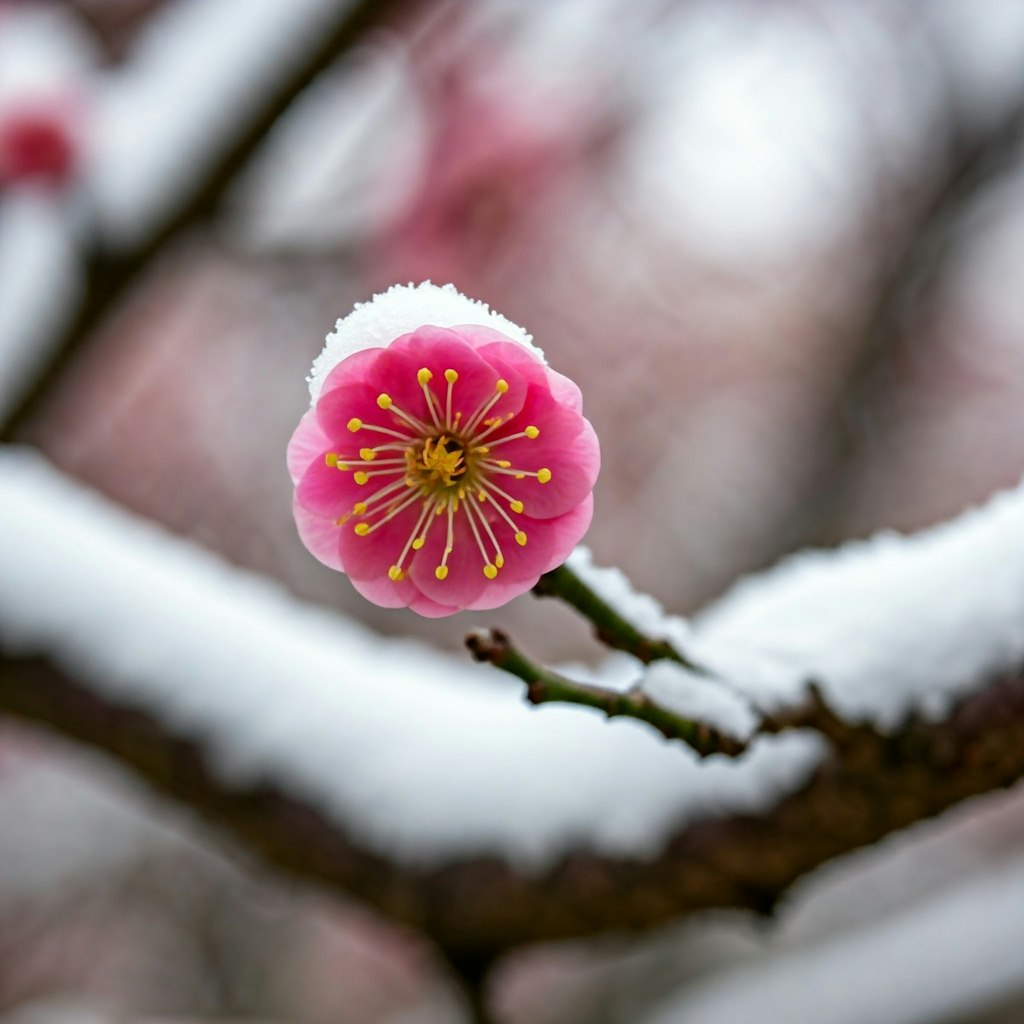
(911, 268)
(546, 687)
(475, 908)
(109, 273)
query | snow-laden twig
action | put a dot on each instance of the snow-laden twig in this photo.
(546, 687)
(579, 585)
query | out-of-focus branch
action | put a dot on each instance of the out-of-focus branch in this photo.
(910, 269)
(109, 272)
(475, 908)
(610, 627)
(546, 687)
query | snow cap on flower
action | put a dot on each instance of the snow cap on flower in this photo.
(443, 465)
(401, 309)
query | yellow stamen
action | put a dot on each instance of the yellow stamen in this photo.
(361, 478)
(521, 538)
(362, 529)
(499, 561)
(418, 543)
(531, 432)
(516, 506)
(451, 376)
(543, 476)
(395, 574)
(384, 401)
(441, 572)
(331, 458)
(367, 454)
(355, 424)
(359, 508)
(490, 571)
(424, 376)
(502, 386)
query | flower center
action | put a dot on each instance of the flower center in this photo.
(439, 464)
(445, 465)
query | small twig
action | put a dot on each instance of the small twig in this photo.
(609, 626)
(546, 687)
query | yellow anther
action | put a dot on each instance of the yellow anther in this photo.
(395, 574)
(367, 454)
(451, 376)
(499, 561)
(383, 401)
(442, 570)
(501, 387)
(361, 478)
(481, 495)
(520, 476)
(331, 458)
(355, 424)
(504, 464)
(482, 449)
(359, 508)
(490, 571)
(521, 539)
(531, 432)
(343, 466)
(418, 543)
(543, 476)
(516, 506)
(362, 529)
(424, 376)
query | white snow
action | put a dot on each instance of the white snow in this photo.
(401, 309)
(700, 698)
(958, 952)
(36, 245)
(424, 755)
(420, 754)
(886, 625)
(640, 610)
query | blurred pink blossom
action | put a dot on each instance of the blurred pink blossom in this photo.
(38, 142)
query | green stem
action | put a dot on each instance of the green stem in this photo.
(610, 627)
(546, 687)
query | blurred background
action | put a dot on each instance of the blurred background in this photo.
(779, 244)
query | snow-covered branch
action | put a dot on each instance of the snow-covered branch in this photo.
(147, 192)
(423, 786)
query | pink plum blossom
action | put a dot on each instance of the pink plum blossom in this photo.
(444, 467)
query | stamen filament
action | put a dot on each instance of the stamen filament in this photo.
(427, 507)
(385, 430)
(508, 519)
(391, 514)
(471, 509)
(451, 376)
(489, 569)
(424, 376)
(442, 570)
(531, 432)
(473, 422)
